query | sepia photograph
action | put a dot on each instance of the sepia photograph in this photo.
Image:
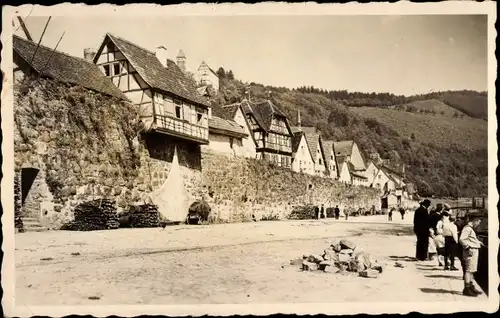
(249, 159)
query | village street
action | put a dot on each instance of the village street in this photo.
(227, 263)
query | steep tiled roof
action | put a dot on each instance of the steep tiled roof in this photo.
(296, 129)
(263, 111)
(328, 148)
(231, 110)
(353, 171)
(297, 137)
(343, 148)
(340, 160)
(203, 63)
(169, 79)
(65, 68)
(312, 137)
(225, 126)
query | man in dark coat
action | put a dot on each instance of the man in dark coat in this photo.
(322, 211)
(337, 212)
(421, 229)
(316, 212)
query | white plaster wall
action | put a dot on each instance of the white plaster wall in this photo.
(303, 159)
(248, 144)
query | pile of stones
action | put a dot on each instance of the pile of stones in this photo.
(344, 256)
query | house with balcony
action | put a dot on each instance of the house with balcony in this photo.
(168, 100)
(271, 131)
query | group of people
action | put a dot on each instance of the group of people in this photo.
(438, 235)
(320, 212)
(401, 210)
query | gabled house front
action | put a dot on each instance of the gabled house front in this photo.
(313, 137)
(235, 113)
(330, 160)
(271, 131)
(168, 99)
(344, 175)
(302, 161)
(206, 76)
(349, 150)
(371, 172)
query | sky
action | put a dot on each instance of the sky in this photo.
(397, 54)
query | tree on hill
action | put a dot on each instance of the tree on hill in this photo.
(413, 138)
(230, 75)
(221, 72)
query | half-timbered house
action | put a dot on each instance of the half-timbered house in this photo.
(168, 100)
(271, 131)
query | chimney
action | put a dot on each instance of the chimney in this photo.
(89, 54)
(161, 55)
(209, 112)
(181, 60)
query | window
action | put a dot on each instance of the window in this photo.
(199, 119)
(320, 161)
(116, 69)
(107, 70)
(178, 111)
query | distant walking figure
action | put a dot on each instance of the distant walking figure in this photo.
(421, 229)
(316, 212)
(337, 212)
(390, 214)
(322, 212)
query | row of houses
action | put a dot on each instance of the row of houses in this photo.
(173, 102)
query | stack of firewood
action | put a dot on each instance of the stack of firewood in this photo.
(146, 215)
(94, 215)
(304, 212)
(18, 221)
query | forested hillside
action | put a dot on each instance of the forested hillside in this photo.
(437, 168)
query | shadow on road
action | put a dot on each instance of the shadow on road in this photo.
(430, 269)
(440, 291)
(443, 276)
(394, 230)
(402, 258)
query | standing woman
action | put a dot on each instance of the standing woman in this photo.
(421, 229)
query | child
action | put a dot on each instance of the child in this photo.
(450, 233)
(470, 245)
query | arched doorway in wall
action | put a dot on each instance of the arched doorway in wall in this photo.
(28, 176)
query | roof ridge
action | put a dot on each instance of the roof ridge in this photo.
(131, 43)
(52, 49)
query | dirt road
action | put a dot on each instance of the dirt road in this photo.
(230, 263)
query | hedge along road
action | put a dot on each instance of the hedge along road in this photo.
(238, 263)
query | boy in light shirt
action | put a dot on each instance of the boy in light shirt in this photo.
(471, 246)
